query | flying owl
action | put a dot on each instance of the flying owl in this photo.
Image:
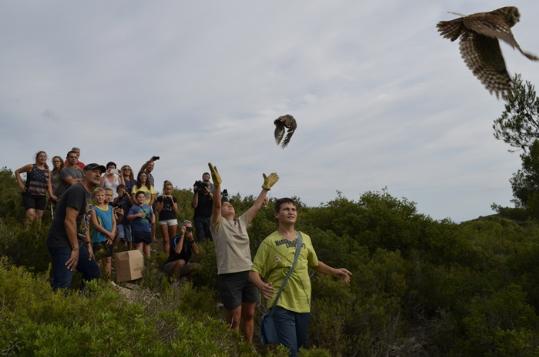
(284, 123)
(479, 46)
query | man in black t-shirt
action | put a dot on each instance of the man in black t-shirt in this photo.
(202, 203)
(69, 240)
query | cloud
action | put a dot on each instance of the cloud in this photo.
(381, 99)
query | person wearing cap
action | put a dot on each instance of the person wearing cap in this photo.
(68, 241)
(182, 247)
(233, 253)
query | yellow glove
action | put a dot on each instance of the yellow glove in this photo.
(215, 175)
(269, 181)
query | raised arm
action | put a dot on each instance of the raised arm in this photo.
(269, 181)
(216, 209)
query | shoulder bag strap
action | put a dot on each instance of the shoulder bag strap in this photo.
(299, 243)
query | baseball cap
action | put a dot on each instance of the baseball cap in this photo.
(94, 166)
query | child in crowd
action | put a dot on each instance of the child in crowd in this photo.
(167, 209)
(122, 203)
(104, 230)
(142, 219)
(109, 196)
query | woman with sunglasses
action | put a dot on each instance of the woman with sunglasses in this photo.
(128, 178)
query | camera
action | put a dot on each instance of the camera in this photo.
(224, 196)
(199, 185)
(188, 229)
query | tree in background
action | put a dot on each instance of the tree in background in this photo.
(518, 125)
(525, 182)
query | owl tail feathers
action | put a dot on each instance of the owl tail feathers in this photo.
(450, 29)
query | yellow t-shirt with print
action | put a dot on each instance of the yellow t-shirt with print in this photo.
(273, 261)
(148, 193)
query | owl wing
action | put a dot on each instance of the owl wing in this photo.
(289, 134)
(496, 27)
(279, 131)
(483, 56)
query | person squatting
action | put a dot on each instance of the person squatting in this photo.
(97, 208)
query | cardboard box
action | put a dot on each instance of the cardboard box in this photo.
(128, 265)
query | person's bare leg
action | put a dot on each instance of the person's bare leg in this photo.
(30, 215)
(38, 215)
(233, 318)
(171, 234)
(147, 250)
(166, 239)
(139, 247)
(248, 320)
(108, 267)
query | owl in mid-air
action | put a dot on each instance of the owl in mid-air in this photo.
(479, 47)
(285, 123)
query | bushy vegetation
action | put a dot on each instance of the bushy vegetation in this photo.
(420, 288)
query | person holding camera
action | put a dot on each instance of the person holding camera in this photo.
(147, 168)
(202, 203)
(182, 247)
(167, 209)
(111, 178)
(238, 295)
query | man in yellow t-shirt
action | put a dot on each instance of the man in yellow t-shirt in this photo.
(271, 264)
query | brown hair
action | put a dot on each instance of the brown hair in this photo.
(147, 184)
(282, 201)
(37, 155)
(61, 163)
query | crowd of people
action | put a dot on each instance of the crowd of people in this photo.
(95, 207)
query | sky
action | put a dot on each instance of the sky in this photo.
(382, 101)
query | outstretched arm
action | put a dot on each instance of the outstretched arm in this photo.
(341, 273)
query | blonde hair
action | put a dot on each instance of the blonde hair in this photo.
(167, 183)
(97, 190)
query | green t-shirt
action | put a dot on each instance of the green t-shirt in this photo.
(273, 261)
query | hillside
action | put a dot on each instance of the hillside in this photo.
(420, 287)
